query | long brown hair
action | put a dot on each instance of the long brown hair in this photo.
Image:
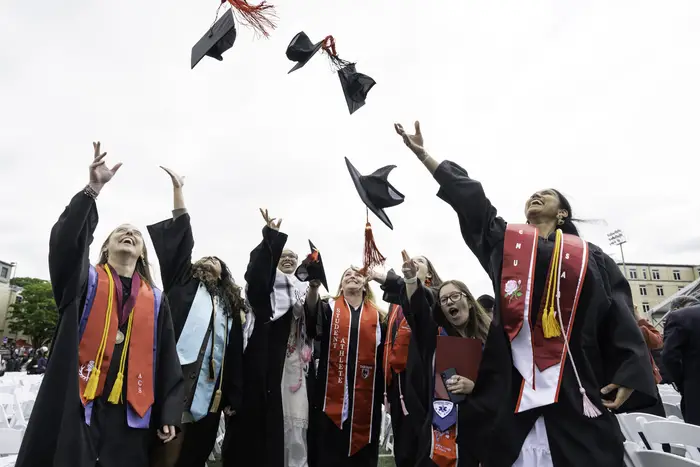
(143, 267)
(224, 285)
(479, 320)
(368, 293)
(435, 280)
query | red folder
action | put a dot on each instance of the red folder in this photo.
(461, 353)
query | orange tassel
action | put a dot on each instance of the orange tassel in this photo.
(259, 17)
(372, 256)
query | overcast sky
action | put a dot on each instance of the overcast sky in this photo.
(596, 98)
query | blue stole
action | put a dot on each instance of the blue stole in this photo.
(190, 343)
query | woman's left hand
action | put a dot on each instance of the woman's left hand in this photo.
(621, 397)
(459, 385)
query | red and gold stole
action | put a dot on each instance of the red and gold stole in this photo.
(98, 340)
(365, 370)
(539, 352)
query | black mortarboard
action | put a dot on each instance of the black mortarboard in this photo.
(355, 85)
(376, 191)
(486, 301)
(301, 49)
(217, 40)
(312, 267)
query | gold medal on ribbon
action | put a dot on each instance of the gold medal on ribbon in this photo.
(120, 337)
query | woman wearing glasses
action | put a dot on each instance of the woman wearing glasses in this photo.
(445, 430)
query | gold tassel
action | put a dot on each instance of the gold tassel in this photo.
(550, 325)
(217, 401)
(91, 388)
(115, 397)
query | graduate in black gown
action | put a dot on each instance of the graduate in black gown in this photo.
(404, 403)
(274, 426)
(453, 437)
(576, 353)
(350, 380)
(109, 418)
(206, 307)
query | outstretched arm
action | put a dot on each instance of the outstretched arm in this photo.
(172, 238)
(483, 231)
(72, 235)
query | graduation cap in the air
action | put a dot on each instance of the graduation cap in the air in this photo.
(222, 34)
(376, 191)
(355, 85)
(312, 267)
(301, 49)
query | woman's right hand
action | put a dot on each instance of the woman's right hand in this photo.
(409, 269)
(178, 181)
(100, 174)
(414, 142)
(270, 222)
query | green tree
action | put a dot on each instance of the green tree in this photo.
(36, 314)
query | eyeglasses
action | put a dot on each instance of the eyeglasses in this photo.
(453, 297)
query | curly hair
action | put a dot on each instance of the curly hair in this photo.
(224, 286)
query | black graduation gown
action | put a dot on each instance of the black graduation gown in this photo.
(173, 242)
(475, 427)
(256, 435)
(405, 427)
(332, 444)
(606, 342)
(57, 434)
(681, 356)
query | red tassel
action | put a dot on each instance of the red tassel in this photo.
(329, 46)
(372, 256)
(259, 17)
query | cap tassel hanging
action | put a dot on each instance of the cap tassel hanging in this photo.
(259, 17)
(329, 47)
(372, 256)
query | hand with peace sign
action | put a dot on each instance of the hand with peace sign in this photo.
(100, 174)
(270, 222)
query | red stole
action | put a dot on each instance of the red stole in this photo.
(140, 365)
(365, 371)
(533, 354)
(396, 345)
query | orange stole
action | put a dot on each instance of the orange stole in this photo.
(396, 348)
(444, 446)
(140, 370)
(365, 371)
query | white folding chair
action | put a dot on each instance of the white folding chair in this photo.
(631, 427)
(8, 388)
(671, 398)
(660, 432)
(10, 441)
(673, 410)
(663, 459)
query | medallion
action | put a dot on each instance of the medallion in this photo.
(120, 337)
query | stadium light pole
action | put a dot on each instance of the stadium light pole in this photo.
(617, 237)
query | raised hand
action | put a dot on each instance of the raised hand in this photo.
(100, 174)
(178, 180)
(409, 268)
(270, 222)
(414, 142)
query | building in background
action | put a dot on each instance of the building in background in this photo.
(653, 285)
(9, 294)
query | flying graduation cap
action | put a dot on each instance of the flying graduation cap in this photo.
(355, 85)
(222, 34)
(312, 267)
(377, 194)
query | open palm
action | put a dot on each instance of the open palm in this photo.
(99, 172)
